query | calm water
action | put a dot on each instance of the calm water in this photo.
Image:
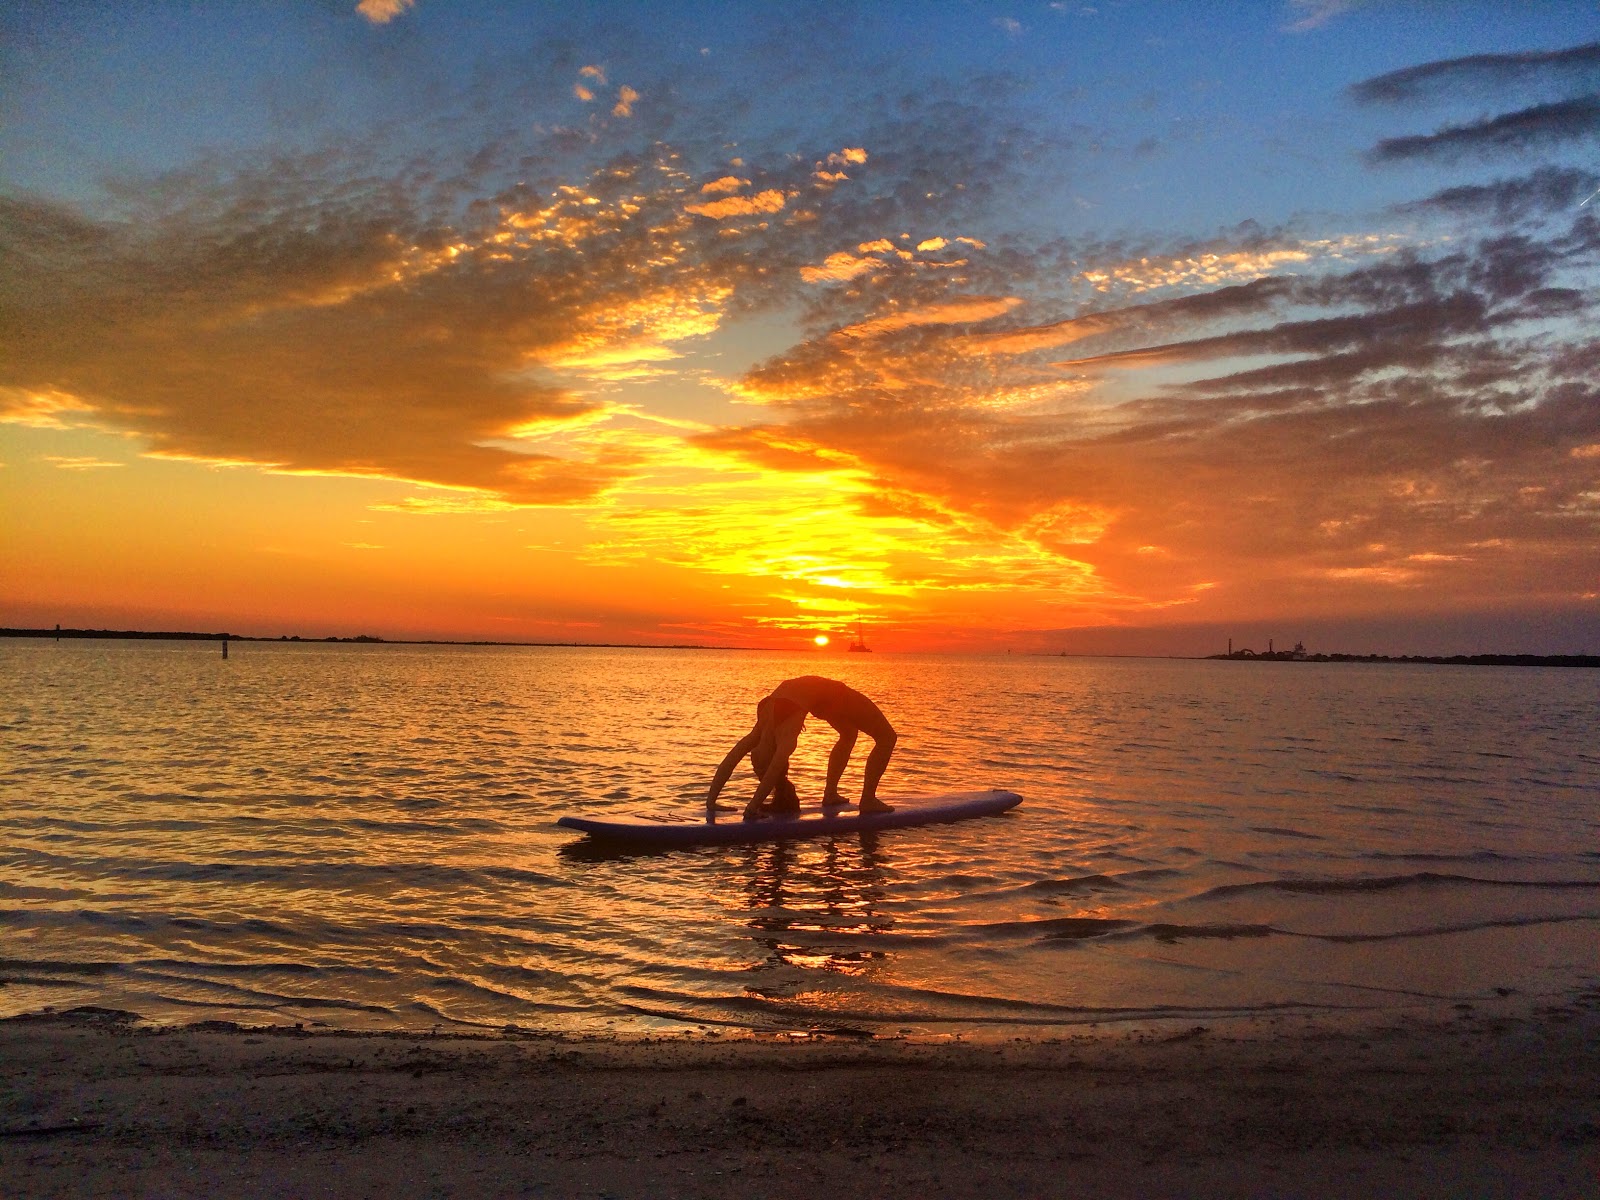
(363, 837)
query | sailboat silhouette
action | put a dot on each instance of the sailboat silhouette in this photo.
(859, 646)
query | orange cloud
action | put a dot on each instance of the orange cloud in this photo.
(958, 311)
(1222, 267)
(67, 462)
(839, 267)
(769, 201)
(46, 408)
(381, 12)
(626, 99)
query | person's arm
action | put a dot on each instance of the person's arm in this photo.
(725, 768)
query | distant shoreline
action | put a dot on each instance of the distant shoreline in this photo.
(138, 635)
(1449, 660)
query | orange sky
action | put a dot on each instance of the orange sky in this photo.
(612, 374)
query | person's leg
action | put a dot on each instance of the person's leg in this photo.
(882, 747)
(838, 758)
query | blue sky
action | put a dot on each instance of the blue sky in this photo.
(1165, 116)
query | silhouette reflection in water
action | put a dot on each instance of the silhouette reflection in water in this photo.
(811, 907)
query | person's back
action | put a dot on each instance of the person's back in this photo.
(781, 715)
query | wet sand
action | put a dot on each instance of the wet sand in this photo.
(1474, 1104)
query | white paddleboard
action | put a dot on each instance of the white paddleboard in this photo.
(694, 829)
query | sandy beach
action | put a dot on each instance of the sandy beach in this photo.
(1476, 1104)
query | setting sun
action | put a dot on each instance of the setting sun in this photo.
(821, 639)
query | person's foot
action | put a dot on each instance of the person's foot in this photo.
(871, 804)
(752, 812)
(835, 801)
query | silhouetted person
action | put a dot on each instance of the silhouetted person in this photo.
(779, 718)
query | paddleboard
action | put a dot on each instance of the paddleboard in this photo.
(694, 829)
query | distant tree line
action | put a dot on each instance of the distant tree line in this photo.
(1449, 660)
(172, 635)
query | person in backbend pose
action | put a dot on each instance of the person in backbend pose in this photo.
(779, 718)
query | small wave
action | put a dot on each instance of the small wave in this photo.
(1442, 930)
(1079, 883)
(1225, 932)
(1386, 883)
(296, 874)
(287, 1003)
(1279, 831)
(1054, 928)
(1477, 856)
(922, 1006)
(59, 966)
(1150, 873)
(17, 891)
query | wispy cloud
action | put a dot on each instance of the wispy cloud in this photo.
(1507, 201)
(1528, 129)
(1307, 15)
(73, 462)
(1577, 66)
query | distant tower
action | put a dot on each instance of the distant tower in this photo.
(1230, 647)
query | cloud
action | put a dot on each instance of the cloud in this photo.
(1437, 401)
(1579, 65)
(770, 201)
(1535, 128)
(1230, 301)
(959, 311)
(1508, 201)
(626, 99)
(1213, 266)
(444, 320)
(381, 12)
(68, 462)
(1314, 14)
(44, 408)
